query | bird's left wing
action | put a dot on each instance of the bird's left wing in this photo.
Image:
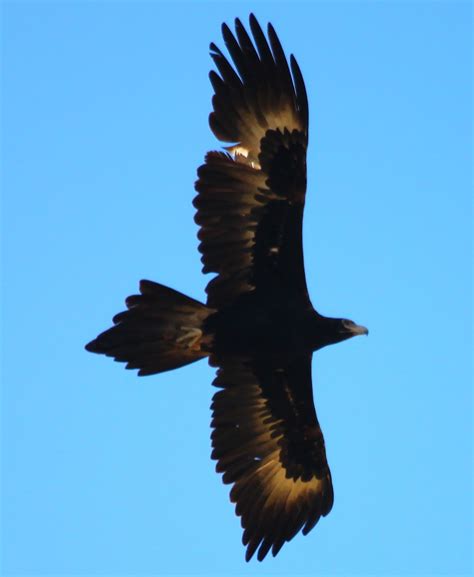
(250, 201)
(268, 443)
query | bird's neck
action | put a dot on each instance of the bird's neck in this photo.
(322, 331)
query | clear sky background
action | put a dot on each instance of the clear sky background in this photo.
(105, 110)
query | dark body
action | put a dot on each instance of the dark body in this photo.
(261, 327)
(258, 325)
(254, 327)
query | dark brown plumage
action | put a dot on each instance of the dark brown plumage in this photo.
(258, 326)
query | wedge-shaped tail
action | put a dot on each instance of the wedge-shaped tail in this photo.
(161, 330)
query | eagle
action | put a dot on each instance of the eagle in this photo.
(258, 326)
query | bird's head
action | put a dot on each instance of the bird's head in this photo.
(348, 329)
(329, 331)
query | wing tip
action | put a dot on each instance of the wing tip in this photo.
(261, 88)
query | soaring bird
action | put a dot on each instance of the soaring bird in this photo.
(258, 326)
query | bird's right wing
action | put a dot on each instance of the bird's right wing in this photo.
(268, 443)
(250, 201)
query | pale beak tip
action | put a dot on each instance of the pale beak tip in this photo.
(362, 330)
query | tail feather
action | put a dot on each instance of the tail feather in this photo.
(160, 331)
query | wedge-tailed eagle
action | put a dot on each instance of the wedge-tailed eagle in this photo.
(258, 326)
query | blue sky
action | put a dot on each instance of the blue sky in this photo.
(105, 110)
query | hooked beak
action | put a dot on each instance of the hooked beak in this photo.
(359, 330)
